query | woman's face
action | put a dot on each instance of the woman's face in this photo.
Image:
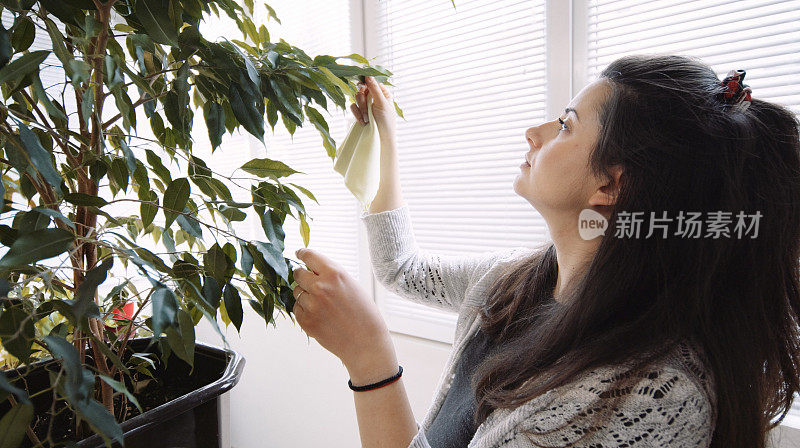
(559, 179)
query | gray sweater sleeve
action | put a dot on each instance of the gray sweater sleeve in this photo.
(439, 281)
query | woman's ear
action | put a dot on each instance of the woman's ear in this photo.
(608, 192)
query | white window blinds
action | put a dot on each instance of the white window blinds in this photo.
(759, 36)
(470, 81)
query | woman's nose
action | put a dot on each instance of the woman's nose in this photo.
(534, 136)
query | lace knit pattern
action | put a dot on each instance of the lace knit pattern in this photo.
(672, 405)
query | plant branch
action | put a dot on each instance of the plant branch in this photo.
(138, 103)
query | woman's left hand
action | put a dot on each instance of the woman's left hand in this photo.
(333, 308)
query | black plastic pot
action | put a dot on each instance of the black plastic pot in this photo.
(191, 420)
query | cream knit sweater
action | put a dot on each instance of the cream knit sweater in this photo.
(673, 407)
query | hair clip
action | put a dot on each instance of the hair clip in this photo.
(736, 91)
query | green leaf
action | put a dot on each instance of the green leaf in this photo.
(287, 98)
(398, 110)
(216, 262)
(98, 416)
(84, 303)
(191, 226)
(149, 209)
(23, 35)
(305, 231)
(165, 307)
(272, 223)
(274, 258)
(322, 126)
(54, 112)
(232, 213)
(356, 57)
(247, 260)
(119, 387)
(155, 18)
(140, 175)
(79, 387)
(14, 424)
(125, 107)
(17, 331)
(85, 200)
(110, 354)
(272, 114)
(54, 214)
(215, 122)
(39, 156)
(35, 246)
(245, 111)
(87, 105)
(233, 305)
(64, 351)
(268, 168)
(68, 11)
(212, 293)
(80, 72)
(5, 47)
(119, 173)
(182, 339)
(271, 13)
(23, 65)
(114, 75)
(158, 167)
(29, 221)
(59, 47)
(175, 199)
(130, 159)
(6, 386)
(305, 192)
(263, 35)
(221, 189)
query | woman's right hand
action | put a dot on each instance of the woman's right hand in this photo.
(382, 106)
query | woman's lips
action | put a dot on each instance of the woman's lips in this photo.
(525, 165)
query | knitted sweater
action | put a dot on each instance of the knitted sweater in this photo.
(673, 406)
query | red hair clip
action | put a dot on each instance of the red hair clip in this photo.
(736, 91)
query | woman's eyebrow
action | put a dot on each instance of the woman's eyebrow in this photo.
(569, 109)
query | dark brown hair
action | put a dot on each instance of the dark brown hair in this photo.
(682, 148)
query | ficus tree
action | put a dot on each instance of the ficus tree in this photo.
(69, 150)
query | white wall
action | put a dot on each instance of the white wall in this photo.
(294, 393)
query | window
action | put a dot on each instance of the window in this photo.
(470, 81)
(761, 37)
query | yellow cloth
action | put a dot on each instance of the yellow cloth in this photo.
(358, 160)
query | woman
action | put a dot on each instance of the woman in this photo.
(665, 338)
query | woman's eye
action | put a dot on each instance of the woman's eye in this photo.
(563, 125)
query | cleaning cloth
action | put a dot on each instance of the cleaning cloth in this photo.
(358, 160)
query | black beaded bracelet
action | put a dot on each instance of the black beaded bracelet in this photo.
(378, 384)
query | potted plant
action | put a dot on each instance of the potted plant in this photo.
(79, 361)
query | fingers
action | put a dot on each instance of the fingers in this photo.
(303, 277)
(316, 262)
(357, 113)
(373, 86)
(361, 102)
